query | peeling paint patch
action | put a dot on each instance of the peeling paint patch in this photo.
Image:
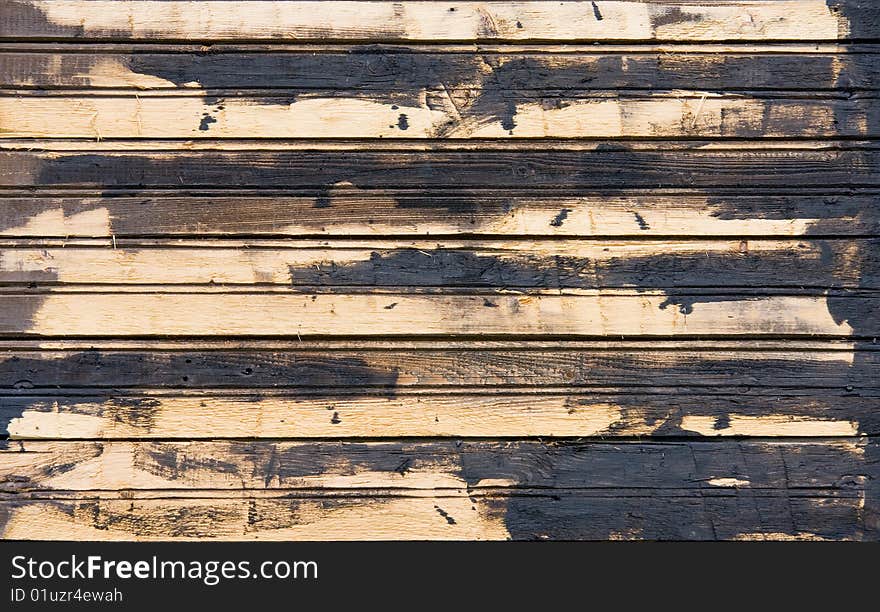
(769, 425)
(728, 482)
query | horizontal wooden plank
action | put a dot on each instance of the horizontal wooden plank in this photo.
(342, 211)
(609, 166)
(590, 314)
(786, 368)
(331, 46)
(438, 465)
(77, 466)
(440, 113)
(372, 68)
(173, 145)
(608, 20)
(583, 264)
(462, 515)
(830, 345)
(393, 413)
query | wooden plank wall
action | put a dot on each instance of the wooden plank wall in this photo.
(439, 270)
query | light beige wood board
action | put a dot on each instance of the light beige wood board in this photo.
(341, 115)
(289, 21)
(587, 313)
(553, 413)
(353, 212)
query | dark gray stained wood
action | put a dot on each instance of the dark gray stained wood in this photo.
(784, 369)
(608, 166)
(377, 68)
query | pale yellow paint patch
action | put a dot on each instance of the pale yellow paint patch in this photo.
(589, 218)
(160, 266)
(55, 222)
(421, 416)
(495, 482)
(769, 425)
(38, 424)
(311, 117)
(578, 118)
(113, 73)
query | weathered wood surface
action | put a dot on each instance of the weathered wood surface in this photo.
(437, 490)
(608, 166)
(286, 20)
(529, 264)
(779, 367)
(590, 313)
(44, 467)
(392, 93)
(458, 114)
(359, 413)
(379, 69)
(439, 270)
(345, 212)
(376, 70)
(524, 515)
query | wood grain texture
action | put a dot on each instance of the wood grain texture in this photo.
(781, 367)
(42, 467)
(377, 70)
(450, 21)
(591, 314)
(392, 413)
(435, 490)
(525, 515)
(452, 114)
(579, 264)
(608, 166)
(343, 212)
(439, 270)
